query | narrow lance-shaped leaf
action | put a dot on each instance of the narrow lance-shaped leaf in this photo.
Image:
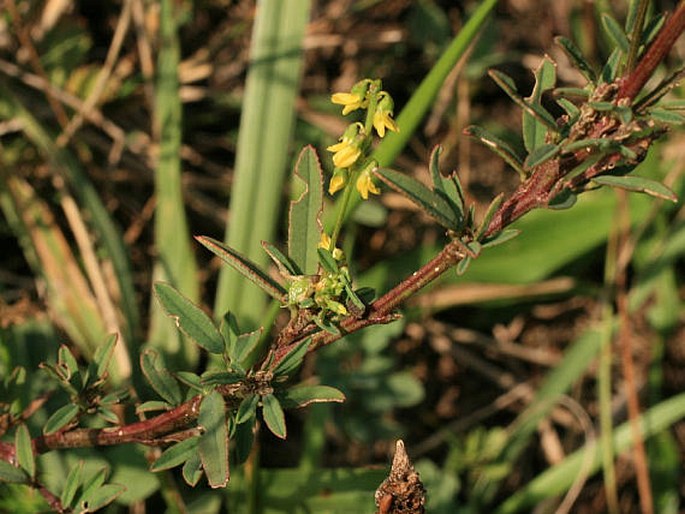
(189, 318)
(448, 187)
(244, 266)
(293, 359)
(615, 32)
(534, 131)
(576, 57)
(103, 355)
(304, 223)
(274, 416)
(638, 185)
(489, 214)
(213, 444)
(304, 394)
(71, 485)
(286, 266)
(245, 345)
(159, 378)
(501, 148)
(25, 457)
(541, 154)
(431, 203)
(536, 110)
(61, 418)
(176, 455)
(102, 496)
(12, 474)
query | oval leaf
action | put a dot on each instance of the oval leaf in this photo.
(189, 318)
(61, 418)
(213, 443)
(11, 474)
(274, 416)
(25, 457)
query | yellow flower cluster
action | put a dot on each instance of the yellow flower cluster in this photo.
(348, 153)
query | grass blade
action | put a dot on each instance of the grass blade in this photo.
(176, 261)
(265, 131)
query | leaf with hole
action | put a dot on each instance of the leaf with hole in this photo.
(244, 266)
(213, 443)
(304, 222)
(189, 318)
(428, 201)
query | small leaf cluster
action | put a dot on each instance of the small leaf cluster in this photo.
(86, 387)
(231, 391)
(600, 137)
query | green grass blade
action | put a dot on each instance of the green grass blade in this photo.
(176, 261)
(558, 479)
(265, 133)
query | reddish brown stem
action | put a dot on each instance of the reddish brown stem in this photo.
(657, 52)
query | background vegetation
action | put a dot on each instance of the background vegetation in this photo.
(121, 138)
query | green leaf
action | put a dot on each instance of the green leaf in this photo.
(666, 116)
(615, 32)
(61, 418)
(159, 378)
(303, 394)
(541, 154)
(274, 416)
(304, 223)
(286, 266)
(449, 187)
(536, 110)
(293, 359)
(176, 455)
(431, 203)
(91, 484)
(245, 345)
(213, 443)
(328, 263)
(576, 57)
(11, 474)
(638, 185)
(534, 131)
(153, 405)
(25, 457)
(192, 470)
(190, 379)
(103, 355)
(502, 237)
(564, 200)
(571, 109)
(101, 497)
(487, 217)
(244, 266)
(189, 318)
(71, 484)
(611, 67)
(498, 146)
(66, 361)
(212, 378)
(247, 409)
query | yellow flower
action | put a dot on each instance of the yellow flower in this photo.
(365, 185)
(382, 118)
(338, 181)
(350, 101)
(325, 241)
(345, 153)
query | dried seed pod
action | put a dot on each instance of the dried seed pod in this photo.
(402, 492)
